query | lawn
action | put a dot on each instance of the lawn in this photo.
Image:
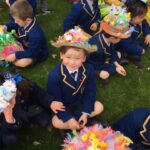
(120, 96)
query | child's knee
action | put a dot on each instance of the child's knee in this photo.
(23, 62)
(55, 122)
(99, 107)
(104, 75)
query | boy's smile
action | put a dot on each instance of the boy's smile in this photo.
(73, 58)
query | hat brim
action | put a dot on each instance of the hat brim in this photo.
(108, 29)
(89, 48)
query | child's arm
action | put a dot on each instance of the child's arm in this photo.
(54, 89)
(8, 112)
(71, 19)
(31, 50)
(89, 96)
(145, 28)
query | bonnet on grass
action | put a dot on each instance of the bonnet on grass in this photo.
(75, 38)
(96, 138)
(116, 23)
(7, 92)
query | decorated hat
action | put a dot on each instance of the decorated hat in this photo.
(7, 92)
(75, 38)
(96, 138)
(116, 23)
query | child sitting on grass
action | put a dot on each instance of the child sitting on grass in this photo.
(84, 14)
(29, 34)
(106, 61)
(72, 83)
(136, 125)
(28, 105)
(133, 47)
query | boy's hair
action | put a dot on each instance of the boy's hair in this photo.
(21, 9)
(107, 35)
(137, 8)
(64, 49)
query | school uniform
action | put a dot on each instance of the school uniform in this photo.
(136, 125)
(83, 15)
(8, 132)
(33, 40)
(77, 96)
(106, 55)
(33, 109)
(134, 45)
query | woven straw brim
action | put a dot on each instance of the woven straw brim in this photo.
(89, 48)
(112, 32)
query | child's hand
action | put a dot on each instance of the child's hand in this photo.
(94, 26)
(57, 106)
(83, 120)
(147, 39)
(8, 112)
(73, 124)
(121, 70)
(10, 58)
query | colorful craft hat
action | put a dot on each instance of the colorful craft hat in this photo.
(116, 23)
(75, 38)
(97, 138)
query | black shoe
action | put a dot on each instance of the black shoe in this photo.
(124, 61)
(138, 64)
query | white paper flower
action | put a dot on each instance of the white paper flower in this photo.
(69, 37)
(10, 85)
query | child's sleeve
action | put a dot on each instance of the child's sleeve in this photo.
(145, 27)
(89, 97)
(11, 26)
(31, 50)
(54, 89)
(72, 17)
(114, 56)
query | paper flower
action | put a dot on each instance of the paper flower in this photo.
(10, 85)
(7, 92)
(97, 138)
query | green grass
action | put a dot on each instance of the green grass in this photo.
(119, 97)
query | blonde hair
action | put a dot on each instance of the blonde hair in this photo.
(21, 9)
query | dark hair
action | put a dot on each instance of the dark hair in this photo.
(64, 49)
(137, 8)
(106, 34)
(21, 9)
(2, 79)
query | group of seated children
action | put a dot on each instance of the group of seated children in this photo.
(71, 88)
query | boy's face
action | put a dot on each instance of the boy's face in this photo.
(73, 58)
(114, 40)
(20, 22)
(138, 19)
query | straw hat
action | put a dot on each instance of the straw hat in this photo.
(75, 38)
